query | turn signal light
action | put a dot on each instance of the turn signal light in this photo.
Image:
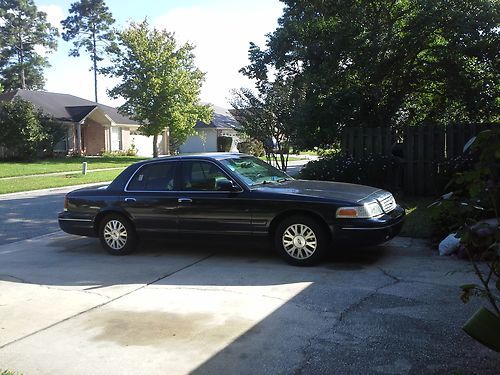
(347, 212)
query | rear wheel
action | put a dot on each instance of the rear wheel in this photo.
(117, 235)
(301, 240)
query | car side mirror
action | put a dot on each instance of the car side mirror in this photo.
(223, 184)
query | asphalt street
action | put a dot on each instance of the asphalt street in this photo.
(24, 216)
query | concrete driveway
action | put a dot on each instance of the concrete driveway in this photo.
(203, 306)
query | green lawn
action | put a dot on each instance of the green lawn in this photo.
(418, 221)
(44, 182)
(290, 158)
(63, 164)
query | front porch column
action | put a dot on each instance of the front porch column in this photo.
(107, 138)
(78, 138)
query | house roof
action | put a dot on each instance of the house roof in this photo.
(65, 107)
(223, 119)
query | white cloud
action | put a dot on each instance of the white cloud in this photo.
(55, 14)
(222, 40)
(221, 34)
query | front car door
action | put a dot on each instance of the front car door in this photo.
(205, 209)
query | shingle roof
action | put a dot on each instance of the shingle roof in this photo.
(65, 107)
(223, 119)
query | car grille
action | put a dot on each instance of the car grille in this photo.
(387, 202)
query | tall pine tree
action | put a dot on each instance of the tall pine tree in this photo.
(89, 26)
(22, 29)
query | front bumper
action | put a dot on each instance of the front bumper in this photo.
(370, 231)
(76, 225)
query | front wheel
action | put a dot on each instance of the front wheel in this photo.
(117, 235)
(301, 240)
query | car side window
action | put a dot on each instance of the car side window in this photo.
(154, 177)
(200, 176)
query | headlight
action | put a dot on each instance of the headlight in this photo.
(368, 210)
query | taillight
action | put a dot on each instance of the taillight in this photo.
(65, 203)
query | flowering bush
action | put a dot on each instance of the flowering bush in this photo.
(375, 170)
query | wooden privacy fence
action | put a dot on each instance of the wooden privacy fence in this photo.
(418, 151)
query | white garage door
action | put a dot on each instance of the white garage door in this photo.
(144, 144)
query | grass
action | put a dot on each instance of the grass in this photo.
(44, 182)
(63, 164)
(309, 152)
(418, 221)
(290, 158)
(8, 372)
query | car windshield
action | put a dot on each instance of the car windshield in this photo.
(254, 171)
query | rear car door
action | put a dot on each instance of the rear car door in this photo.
(150, 197)
(203, 208)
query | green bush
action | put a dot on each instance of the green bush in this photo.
(224, 144)
(376, 170)
(252, 147)
(25, 131)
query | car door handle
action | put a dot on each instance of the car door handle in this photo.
(184, 200)
(129, 200)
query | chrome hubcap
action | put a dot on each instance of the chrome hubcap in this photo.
(299, 241)
(115, 234)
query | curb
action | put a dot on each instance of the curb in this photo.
(49, 191)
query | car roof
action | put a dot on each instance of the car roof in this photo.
(201, 156)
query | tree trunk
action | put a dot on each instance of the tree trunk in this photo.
(94, 58)
(21, 62)
(155, 145)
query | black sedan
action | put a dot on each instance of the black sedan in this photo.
(230, 194)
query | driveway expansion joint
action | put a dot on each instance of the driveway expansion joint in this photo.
(13, 278)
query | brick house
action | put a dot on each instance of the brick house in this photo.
(91, 127)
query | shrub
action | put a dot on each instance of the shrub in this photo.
(132, 151)
(375, 170)
(25, 131)
(224, 144)
(252, 147)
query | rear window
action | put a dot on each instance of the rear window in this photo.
(153, 177)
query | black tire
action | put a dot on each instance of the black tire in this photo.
(117, 235)
(309, 244)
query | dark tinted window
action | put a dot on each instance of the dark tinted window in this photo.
(154, 177)
(200, 175)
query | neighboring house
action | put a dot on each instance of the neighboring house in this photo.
(223, 124)
(91, 127)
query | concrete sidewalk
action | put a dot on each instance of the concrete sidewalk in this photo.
(198, 306)
(60, 173)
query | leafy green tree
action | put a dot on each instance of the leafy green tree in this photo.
(269, 116)
(159, 82)
(22, 29)
(385, 62)
(25, 131)
(89, 26)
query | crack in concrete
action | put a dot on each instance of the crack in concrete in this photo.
(308, 355)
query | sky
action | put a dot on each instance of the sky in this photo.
(221, 30)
